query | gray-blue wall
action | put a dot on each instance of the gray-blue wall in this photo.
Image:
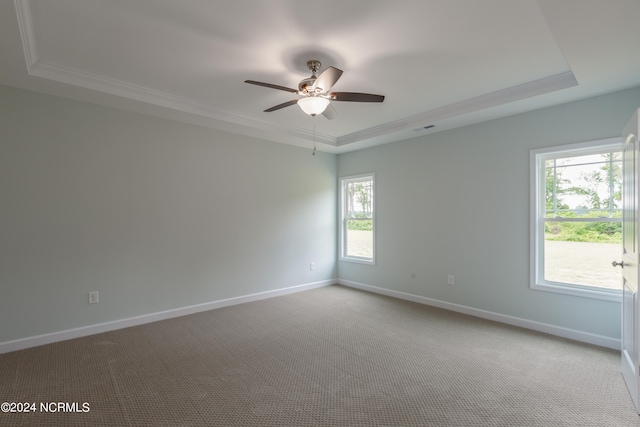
(154, 214)
(158, 215)
(457, 202)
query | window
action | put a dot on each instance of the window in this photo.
(576, 219)
(357, 235)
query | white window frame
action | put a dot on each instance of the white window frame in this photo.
(343, 217)
(537, 159)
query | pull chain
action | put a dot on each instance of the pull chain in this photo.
(314, 136)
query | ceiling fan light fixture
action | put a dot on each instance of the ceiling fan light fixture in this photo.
(313, 105)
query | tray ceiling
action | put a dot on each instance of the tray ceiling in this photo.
(439, 63)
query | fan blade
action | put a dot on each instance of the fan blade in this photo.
(287, 89)
(284, 104)
(356, 97)
(330, 112)
(327, 79)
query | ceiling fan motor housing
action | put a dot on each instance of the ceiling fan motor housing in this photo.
(314, 66)
(305, 83)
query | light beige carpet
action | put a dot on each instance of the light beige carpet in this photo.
(328, 357)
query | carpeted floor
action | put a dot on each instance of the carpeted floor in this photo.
(332, 356)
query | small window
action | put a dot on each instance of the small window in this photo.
(357, 235)
(576, 219)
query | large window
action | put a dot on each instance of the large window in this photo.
(576, 220)
(357, 234)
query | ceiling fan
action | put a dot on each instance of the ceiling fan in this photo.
(316, 98)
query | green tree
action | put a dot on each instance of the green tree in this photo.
(607, 180)
(350, 196)
(363, 196)
(554, 186)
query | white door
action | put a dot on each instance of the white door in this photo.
(630, 327)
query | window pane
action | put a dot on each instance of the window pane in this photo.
(360, 238)
(582, 263)
(359, 243)
(581, 253)
(359, 199)
(584, 184)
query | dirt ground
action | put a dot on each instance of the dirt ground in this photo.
(360, 243)
(583, 263)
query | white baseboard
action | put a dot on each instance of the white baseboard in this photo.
(23, 343)
(559, 331)
(20, 344)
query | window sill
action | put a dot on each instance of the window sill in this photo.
(367, 261)
(613, 295)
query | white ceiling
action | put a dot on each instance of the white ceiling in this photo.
(446, 63)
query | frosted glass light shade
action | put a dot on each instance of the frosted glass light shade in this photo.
(313, 105)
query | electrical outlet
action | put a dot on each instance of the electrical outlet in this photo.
(93, 297)
(312, 266)
(450, 280)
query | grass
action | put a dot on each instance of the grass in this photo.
(596, 232)
(360, 224)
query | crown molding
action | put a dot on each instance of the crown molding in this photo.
(493, 99)
(119, 88)
(25, 23)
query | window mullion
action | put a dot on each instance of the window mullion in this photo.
(555, 188)
(611, 184)
(604, 219)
